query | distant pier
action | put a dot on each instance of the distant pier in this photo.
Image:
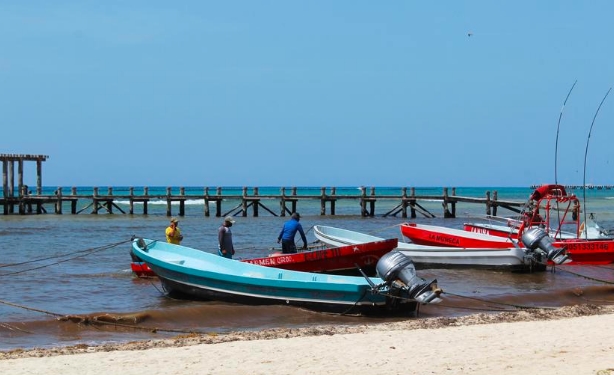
(408, 204)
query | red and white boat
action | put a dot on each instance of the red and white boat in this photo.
(585, 242)
(510, 258)
(433, 235)
(337, 259)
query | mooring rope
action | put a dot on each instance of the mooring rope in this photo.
(104, 247)
(587, 277)
(29, 308)
(522, 307)
(81, 254)
(515, 306)
(93, 320)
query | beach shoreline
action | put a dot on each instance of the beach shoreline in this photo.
(590, 339)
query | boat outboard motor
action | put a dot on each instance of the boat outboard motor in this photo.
(395, 266)
(535, 237)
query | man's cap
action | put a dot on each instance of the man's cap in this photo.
(174, 220)
(229, 219)
(296, 215)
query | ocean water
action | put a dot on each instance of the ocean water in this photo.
(57, 266)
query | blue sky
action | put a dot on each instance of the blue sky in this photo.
(308, 93)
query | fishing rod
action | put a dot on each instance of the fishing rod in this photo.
(585, 155)
(558, 126)
(556, 145)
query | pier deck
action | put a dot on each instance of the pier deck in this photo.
(406, 205)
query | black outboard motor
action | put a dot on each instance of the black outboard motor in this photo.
(535, 237)
(395, 266)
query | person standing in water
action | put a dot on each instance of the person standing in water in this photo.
(288, 232)
(173, 234)
(224, 236)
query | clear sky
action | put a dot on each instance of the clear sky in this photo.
(308, 93)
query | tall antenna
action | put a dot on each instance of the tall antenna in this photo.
(585, 154)
(558, 126)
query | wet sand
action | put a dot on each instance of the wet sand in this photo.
(569, 340)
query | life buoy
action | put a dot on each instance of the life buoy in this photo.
(541, 191)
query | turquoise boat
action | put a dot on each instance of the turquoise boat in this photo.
(195, 274)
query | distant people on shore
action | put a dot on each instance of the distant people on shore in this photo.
(173, 233)
(224, 236)
(288, 232)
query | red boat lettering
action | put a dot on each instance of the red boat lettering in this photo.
(444, 239)
(264, 262)
(480, 230)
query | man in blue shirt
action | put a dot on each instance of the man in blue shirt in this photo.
(286, 236)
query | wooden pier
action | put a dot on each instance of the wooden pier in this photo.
(406, 204)
(23, 201)
(10, 197)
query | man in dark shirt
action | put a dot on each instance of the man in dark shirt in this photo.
(286, 236)
(224, 237)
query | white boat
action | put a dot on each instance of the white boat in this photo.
(513, 258)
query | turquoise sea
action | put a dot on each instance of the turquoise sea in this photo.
(57, 265)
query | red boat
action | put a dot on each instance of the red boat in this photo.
(585, 242)
(141, 269)
(342, 259)
(433, 235)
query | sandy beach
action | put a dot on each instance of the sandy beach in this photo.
(570, 340)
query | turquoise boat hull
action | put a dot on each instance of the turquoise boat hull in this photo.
(195, 274)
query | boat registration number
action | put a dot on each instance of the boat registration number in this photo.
(587, 246)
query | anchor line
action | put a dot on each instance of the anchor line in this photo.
(162, 291)
(604, 267)
(94, 320)
(475, 308)
(522, 307)
(11, 327)
(29, 308)
(104, 247)
(588, 277)
(364, 293)
(81, 253)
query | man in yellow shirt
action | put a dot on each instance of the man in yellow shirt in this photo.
(173, 234)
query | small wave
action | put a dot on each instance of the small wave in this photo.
(188, 202)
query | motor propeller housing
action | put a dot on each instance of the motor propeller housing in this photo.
(536, 238)
(395, 266)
